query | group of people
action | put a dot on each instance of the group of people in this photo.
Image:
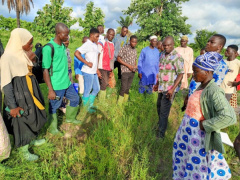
(197, 149)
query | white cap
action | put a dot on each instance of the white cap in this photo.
(153, 37)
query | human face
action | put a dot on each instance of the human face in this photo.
(168, 45)
(153, 42)
(101, 29)
(199, 75)
(124, 32)
(28, 46)
(183, 43)
(133, 42)
(110, 35)
(231, 53)
(214, 45)
(63, 35)
(66, 43)
(94, 37)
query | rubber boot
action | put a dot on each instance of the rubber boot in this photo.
(38, 142)
(126, 97)
(120, 100)
(102, 95)
(91, 108)
(85, 101)
(53, 125)
(71, 114)
(26, 154)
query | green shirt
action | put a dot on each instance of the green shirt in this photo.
(218, 115)
(59, 79)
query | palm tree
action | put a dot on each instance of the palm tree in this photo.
(20, 6)
(125, 22)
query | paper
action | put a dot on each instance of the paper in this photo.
(225, 139)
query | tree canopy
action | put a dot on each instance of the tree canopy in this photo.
(127, 21)
(50, 15)
(159, 17)
(202, 37)
(93, 17)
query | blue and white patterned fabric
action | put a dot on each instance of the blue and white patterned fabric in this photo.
(218, 75)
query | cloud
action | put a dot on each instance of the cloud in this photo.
(221, 16)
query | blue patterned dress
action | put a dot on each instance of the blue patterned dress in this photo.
(218, 75)
(190, 160)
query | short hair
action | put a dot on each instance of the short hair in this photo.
(133, 37)
(60, 27)
(85, 37)
(94, 31)
(110, 29)
(124, 27)
(222, 38)
(99, 26)
(203, 49)
(169, 37)
(234, 47)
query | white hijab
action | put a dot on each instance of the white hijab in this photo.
(14, 61)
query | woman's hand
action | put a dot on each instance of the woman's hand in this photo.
(16, 112)
(31, 55)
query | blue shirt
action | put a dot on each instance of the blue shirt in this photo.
(218, 76)
(78, 65)
(148, 65)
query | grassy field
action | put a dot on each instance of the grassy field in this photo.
(115, 143)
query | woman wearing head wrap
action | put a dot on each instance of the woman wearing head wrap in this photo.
(197, 149)
(23, 97)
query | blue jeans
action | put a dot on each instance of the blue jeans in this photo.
(91, 82)
(70, 93)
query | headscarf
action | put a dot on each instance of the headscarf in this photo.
(184, 37)
(208, 61)
(14, 61)
(153, 37)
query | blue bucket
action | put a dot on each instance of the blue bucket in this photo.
(75, 85)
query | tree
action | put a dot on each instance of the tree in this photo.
(20, 6)
(92, 18)
(159, 17)
(202, 37)
(125, 22)
(50, 15)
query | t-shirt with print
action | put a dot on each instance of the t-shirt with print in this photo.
(91, 52)
(171, 65)
(59, 79)
(128, 55)
(119, 42)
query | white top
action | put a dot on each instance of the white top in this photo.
(90, 50)
(100, 49)
(234, 69)
(101, 38)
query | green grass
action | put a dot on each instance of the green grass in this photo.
(116, 143)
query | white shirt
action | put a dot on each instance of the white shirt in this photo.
(101, 38)
(91, 52)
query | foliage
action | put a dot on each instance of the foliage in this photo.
(20, 6)
(50, 15)
(10, 23)
(201, 39)
(125, 22)
(159, 17)
(93, 17)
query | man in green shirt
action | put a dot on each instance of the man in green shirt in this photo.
(55, 75)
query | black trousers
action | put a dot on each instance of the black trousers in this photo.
(105, 78)
(163, 107)
(118, 65)
(126, 82)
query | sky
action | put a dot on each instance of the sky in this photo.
(221, 16)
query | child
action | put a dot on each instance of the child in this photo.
(197, 149)
(77, 68)
(89, 69)
(127, 57)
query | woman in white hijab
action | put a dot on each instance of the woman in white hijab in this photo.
(23, 97)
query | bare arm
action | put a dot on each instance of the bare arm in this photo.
(80, 58)
(130, 67)
(46, 77)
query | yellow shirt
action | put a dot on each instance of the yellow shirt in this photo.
(234, 69)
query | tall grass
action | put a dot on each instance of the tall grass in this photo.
(115, 143)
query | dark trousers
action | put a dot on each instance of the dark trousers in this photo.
(105, 78)
(163, 107)
(118, 65)
(126, 82)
